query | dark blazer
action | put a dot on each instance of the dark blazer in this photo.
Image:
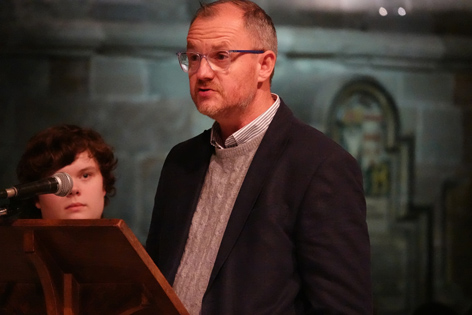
(296, 241)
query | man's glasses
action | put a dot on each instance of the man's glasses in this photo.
(219, 60)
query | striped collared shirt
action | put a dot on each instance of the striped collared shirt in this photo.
(248, 132)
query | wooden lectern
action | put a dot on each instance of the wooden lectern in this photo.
(67, 267)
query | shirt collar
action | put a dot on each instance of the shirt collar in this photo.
(248, 132)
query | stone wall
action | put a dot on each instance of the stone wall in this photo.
(111, 65)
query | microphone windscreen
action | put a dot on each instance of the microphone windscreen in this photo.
(65, 184)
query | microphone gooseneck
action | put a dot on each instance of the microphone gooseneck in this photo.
(59, 184)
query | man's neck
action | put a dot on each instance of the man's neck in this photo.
(236, 121)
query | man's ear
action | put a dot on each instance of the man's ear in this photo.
(267, 63)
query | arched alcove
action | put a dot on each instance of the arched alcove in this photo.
(363, 118)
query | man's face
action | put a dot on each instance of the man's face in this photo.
(85, 201)
(223, 94)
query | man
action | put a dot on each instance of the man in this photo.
(262, 214)
(80, 152)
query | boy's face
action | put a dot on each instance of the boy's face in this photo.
(87, 197)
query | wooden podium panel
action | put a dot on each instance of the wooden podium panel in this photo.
(81, 267)
(14, 264)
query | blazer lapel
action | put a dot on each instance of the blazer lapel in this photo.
(190, 175)
(269, 151)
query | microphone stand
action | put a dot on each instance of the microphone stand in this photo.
(11, 209)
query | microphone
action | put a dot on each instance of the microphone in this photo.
(59, 184)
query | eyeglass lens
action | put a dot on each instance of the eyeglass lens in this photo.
(218, 60)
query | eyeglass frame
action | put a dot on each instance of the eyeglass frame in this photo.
(206, 57)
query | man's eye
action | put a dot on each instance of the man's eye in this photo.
(221, 55)
(86, 175)
(192, 57)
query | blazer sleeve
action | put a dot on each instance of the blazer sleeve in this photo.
(332, 242)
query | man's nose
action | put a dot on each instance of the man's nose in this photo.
(205, 68)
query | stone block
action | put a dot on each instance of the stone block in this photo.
(69, 76)
(167, 80)
(463, 90)
(429, 179)
(119, 78)
(24, 76)
(439, 136)
(429, 88)
(141, 127)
